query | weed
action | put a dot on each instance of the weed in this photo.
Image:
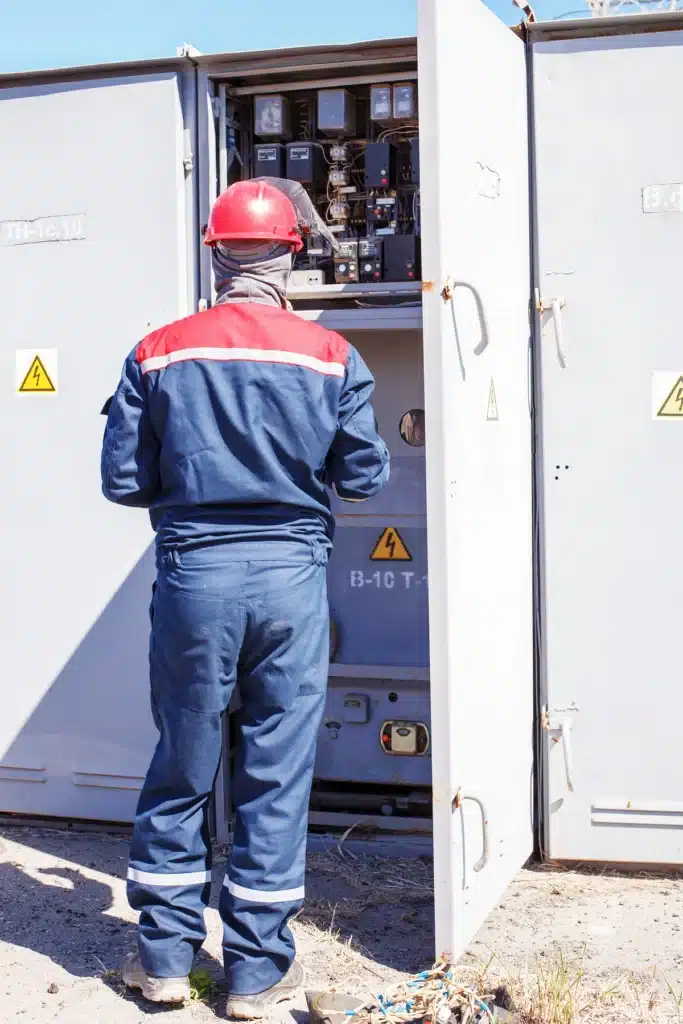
(203, 988)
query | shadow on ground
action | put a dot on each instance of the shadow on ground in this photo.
(382, 907)
(67, 917)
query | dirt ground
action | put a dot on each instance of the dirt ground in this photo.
(614, 943)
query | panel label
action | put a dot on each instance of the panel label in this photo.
(390, 548)
(67, 228)
(36, 371)
(667, 395)
(385, 580)
(663, 198)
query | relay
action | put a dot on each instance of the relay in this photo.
(370, 259)
(380, 165)
(346, 263)
(381, 214)
(400, 258)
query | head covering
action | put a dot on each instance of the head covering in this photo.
(252, 272)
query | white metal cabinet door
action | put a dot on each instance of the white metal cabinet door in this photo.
(99, 165)
(606, 111)
(474, 192)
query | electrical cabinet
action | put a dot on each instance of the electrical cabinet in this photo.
(490, 366)
(610, 240)
(430, 581)
(429, 719)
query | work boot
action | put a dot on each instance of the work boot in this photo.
(157, 990)
(254, 1007)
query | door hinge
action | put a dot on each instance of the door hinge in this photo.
(188, 156)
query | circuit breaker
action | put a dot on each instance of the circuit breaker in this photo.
(380, 165)
(370, 259)
(400, 258)
(346, 263)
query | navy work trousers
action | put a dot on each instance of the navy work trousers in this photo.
(254, 615)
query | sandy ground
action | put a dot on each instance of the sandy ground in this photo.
(65, 927)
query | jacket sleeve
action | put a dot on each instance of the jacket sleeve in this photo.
(357, 466)
(130, 450)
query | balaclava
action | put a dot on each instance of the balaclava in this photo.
(252, 272)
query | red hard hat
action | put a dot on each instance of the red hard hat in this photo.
(253, 211)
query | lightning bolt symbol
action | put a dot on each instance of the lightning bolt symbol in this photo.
(36, 376)
(679, 399)
(391, 543)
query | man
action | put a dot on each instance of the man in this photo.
(228, 425)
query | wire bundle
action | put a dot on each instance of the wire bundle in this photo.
(435, 996)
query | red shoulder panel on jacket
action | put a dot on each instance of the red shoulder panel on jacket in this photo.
(248, 330)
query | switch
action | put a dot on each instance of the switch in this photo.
(356, 708)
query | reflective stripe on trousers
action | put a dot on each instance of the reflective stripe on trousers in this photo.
(221, 617)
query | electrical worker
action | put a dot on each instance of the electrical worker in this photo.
(228, 426)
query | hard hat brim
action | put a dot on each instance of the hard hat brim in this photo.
(295, 242)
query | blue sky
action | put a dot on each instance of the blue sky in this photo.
(57, 33)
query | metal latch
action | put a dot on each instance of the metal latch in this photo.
(554, 306)
(562, 732)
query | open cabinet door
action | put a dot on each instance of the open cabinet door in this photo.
(475, 227)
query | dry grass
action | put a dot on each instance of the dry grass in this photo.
(555, 989)
(553, 986)
(383, 879)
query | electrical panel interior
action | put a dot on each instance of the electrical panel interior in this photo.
(355, 149)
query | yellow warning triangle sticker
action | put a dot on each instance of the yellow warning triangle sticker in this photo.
(673, 403)
(390, 548)
(37, 378)
(492, 407)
